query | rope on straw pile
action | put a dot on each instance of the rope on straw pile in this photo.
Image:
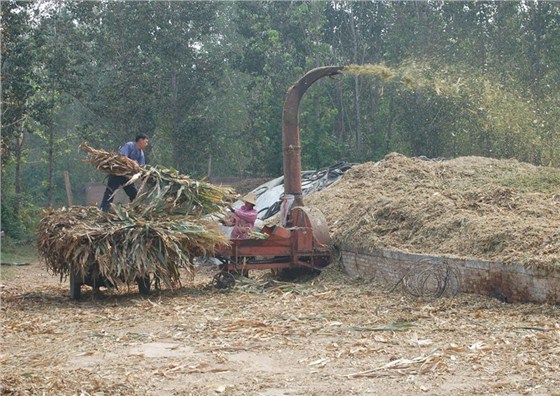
(428, 279)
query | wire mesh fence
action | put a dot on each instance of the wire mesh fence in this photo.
(428, 279)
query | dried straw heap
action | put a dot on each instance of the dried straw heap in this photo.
(158, 233)
(472, 207)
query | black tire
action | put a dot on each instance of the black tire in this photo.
(223, 280)
(144, 285)
(243, 273)
(75, 286)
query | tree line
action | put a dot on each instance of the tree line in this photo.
(207, 81)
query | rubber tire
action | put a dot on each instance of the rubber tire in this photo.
(144, 285)
(75, 286)
(223, 280)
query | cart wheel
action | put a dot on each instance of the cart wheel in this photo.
(75, 286)
(223, 280)
(144, 285)
(243, 273)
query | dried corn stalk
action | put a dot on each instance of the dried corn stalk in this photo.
(110, 162)
(167, 191)
(122, 246)
(162, 190)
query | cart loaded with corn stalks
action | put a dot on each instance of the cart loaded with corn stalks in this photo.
(164, 229)
(148, 240)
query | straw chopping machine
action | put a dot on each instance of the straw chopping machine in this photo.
(303, 241)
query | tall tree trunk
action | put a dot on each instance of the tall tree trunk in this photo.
(374, 111)
(50, 166)
(488, 143)
(177, 148)
(341, 115)
(19, 144)
(420, 137)
(481, 52)
(536, 52)
(389, 131)
(357, 115)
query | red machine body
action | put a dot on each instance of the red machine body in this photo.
(304, 242)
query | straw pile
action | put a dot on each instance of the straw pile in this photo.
(473, 207)
(158, 233)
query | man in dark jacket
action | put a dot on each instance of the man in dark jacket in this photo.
(134, 151)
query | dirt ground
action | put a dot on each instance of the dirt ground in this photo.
(330, 335)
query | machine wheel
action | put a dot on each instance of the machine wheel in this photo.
(223, 280)
(321, 261)
(243, 273)
(75, 286)
(144, 285)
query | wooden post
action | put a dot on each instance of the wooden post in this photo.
(68, 188)
(209, 167)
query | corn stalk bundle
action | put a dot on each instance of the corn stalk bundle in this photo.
(120, 245)
(110, 162)
(166, 191)
(162, 190)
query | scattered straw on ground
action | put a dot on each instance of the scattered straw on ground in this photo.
(264, 337)
(499, 210)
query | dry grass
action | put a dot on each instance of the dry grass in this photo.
(110, 162)
(122, 245)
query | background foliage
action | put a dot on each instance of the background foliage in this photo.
(207, 80)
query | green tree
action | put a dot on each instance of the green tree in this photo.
(17, 54)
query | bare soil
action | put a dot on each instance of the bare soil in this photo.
(327, 335)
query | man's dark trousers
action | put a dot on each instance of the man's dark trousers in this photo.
(113, 184)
